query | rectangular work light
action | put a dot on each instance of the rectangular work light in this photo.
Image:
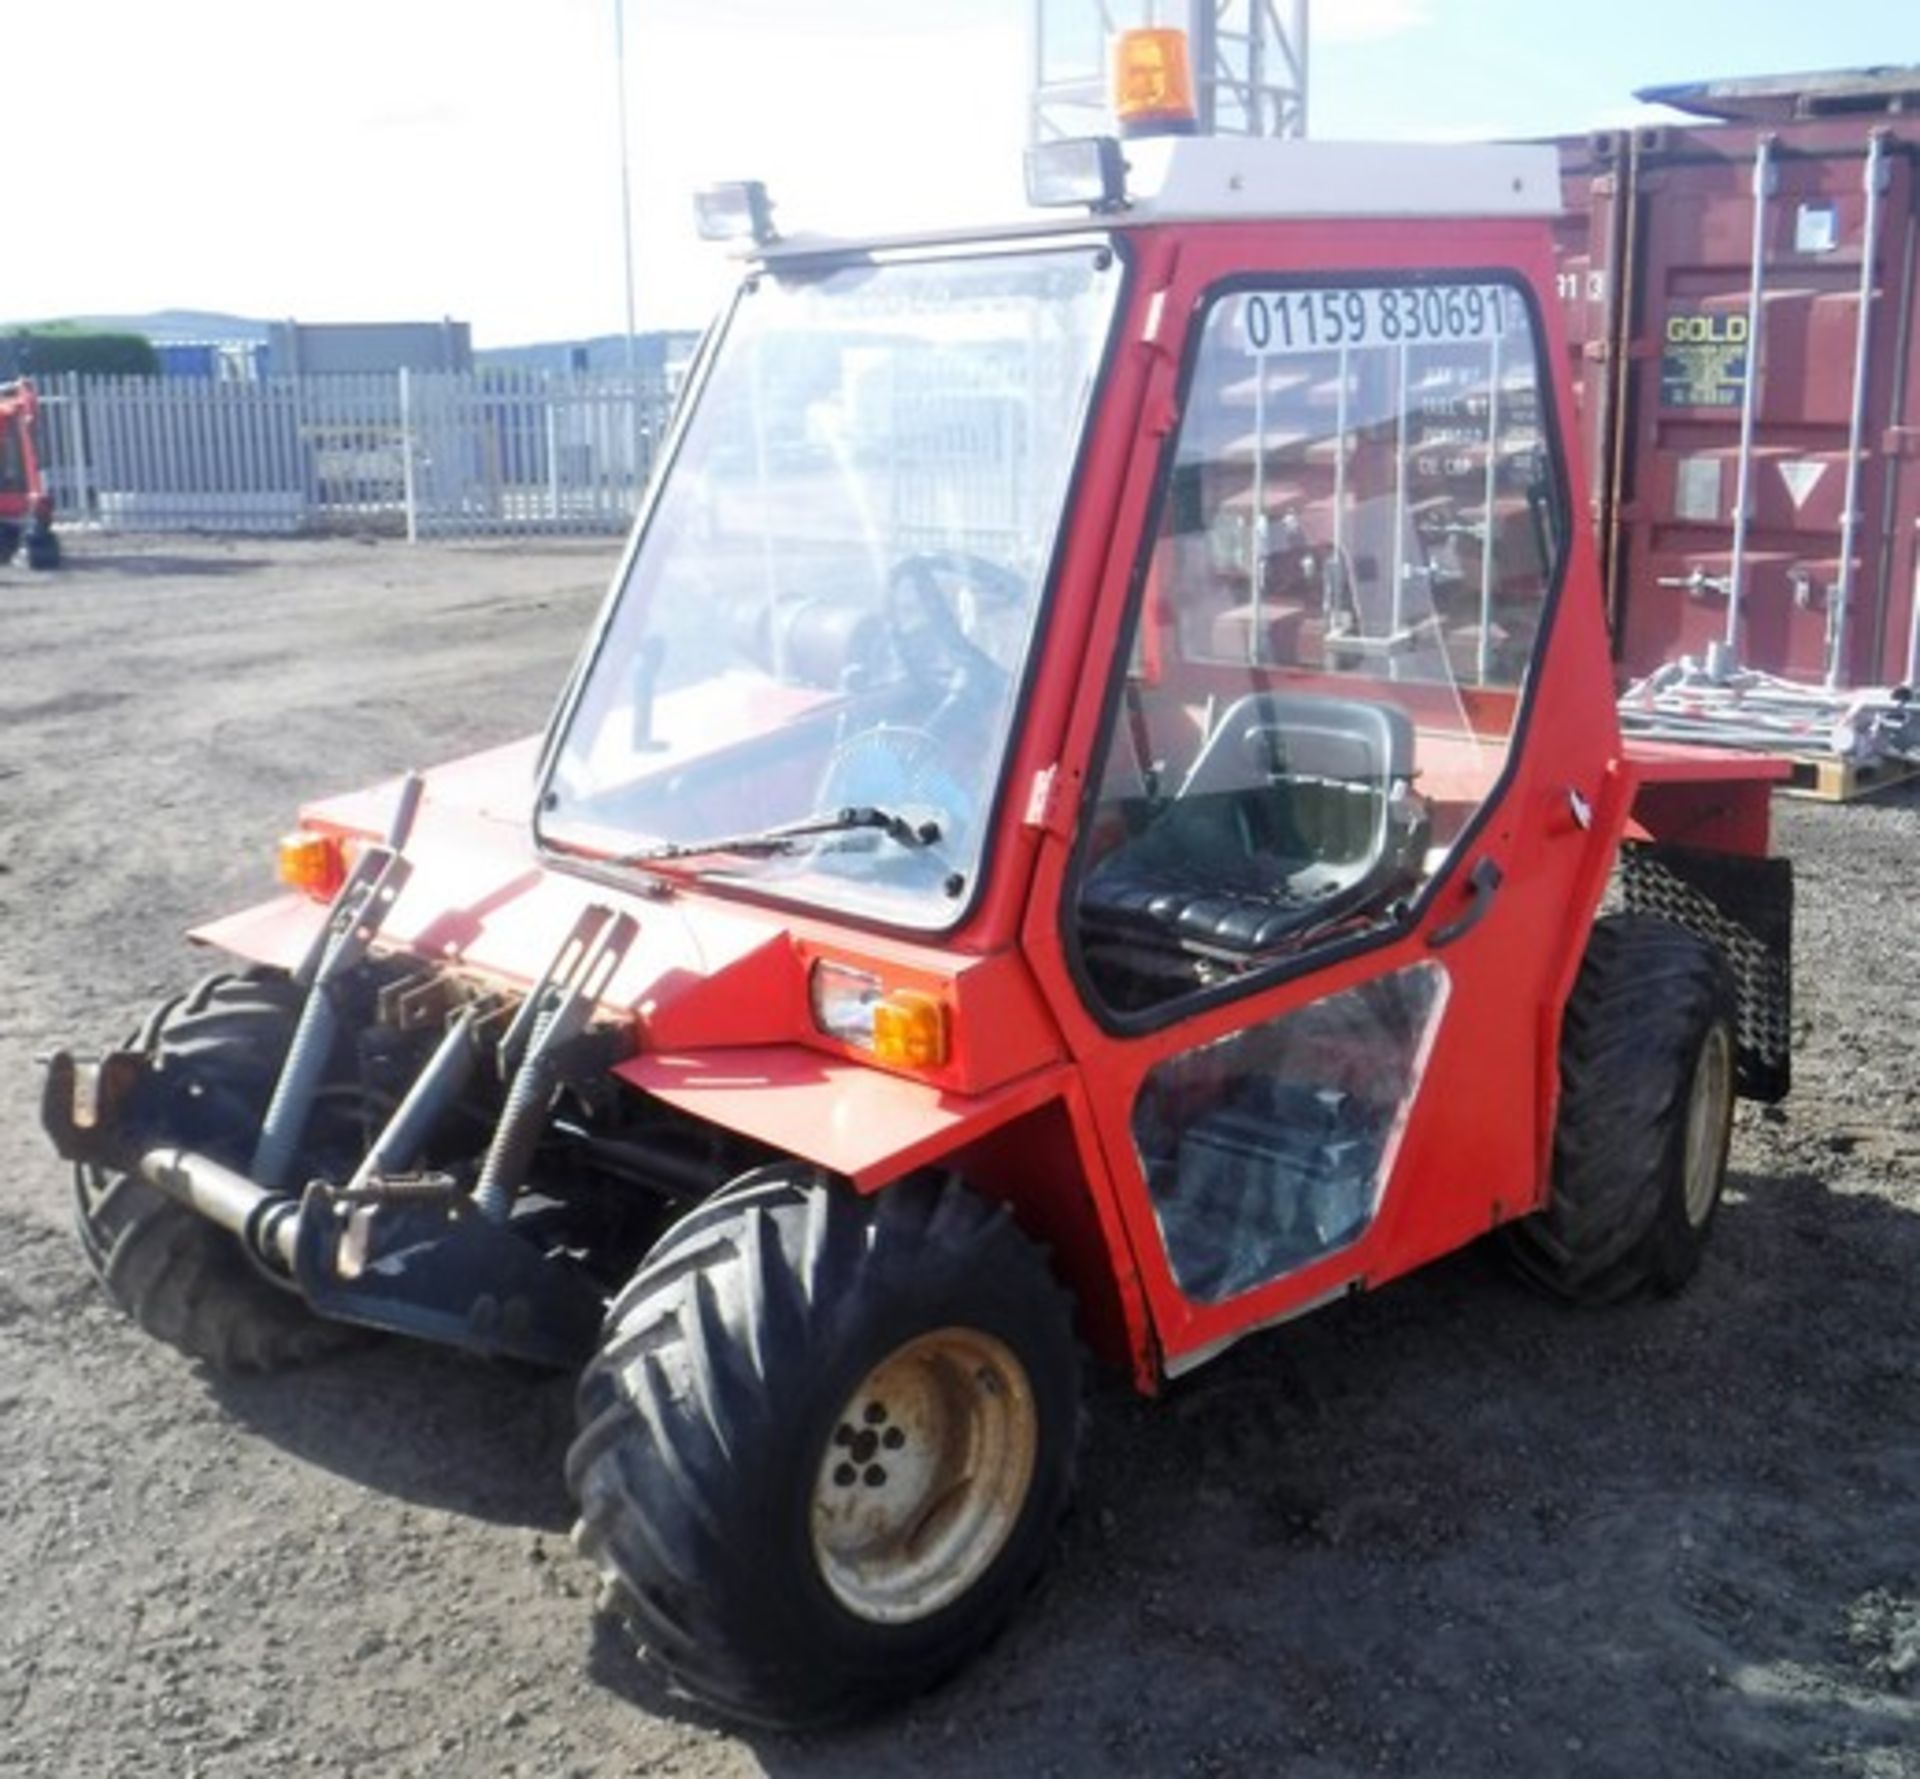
(1082, 170)
(737, 211)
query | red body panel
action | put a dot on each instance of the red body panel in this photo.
(870, 1127)
(1703, 797)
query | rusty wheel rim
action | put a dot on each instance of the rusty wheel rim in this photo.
(1709, 1117)
(925, 1473)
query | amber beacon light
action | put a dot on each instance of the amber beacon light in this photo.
(1153, 83)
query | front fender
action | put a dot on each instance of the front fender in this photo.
(1030, 1144)
(867, 1126)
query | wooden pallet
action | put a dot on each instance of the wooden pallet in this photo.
(1842, 781)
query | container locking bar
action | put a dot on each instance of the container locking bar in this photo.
(1765, 179)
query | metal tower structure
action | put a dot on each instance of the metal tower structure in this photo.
(1249, 63)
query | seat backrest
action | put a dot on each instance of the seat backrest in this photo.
(1323, 769)
(1268, 736)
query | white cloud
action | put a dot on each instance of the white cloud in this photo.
(1367, 21)
(1471, 130)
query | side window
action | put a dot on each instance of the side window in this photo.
(1343, 596)
(1266, 1149)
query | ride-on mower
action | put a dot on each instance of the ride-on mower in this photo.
(26, 508)
(1083, 823)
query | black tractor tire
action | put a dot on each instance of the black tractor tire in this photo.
(776, 1351)
(1646, 1111)
(9, 542)
(184, 1280)
(43, 549)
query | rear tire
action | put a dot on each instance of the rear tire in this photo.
(827, 1442)
(9, 542)
(1646, 1112)
(43, 549)
(184, 1280)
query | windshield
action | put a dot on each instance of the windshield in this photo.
(809, 677)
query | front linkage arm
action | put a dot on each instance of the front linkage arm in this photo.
(420, 1254)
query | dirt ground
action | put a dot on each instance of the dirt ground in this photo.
(1446, 1530)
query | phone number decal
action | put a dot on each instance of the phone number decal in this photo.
(1376, 315)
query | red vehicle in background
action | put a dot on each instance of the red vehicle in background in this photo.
(1085, 817)
(26, 508)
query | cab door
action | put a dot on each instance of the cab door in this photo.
(1329, 874)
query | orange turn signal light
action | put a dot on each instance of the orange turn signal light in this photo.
(313, 864)
(1153, 83)
(910, 1030)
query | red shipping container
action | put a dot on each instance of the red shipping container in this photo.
(1669, 307)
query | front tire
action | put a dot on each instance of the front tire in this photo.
(1647, 1055)
(218, 1050)
(827, 1442)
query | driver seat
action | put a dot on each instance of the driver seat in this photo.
(1297, 812)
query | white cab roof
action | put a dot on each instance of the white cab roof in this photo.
(1215, 178)
(1261, 179)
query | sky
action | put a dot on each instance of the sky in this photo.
(408, 159)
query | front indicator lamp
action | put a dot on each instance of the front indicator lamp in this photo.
(902, 1027)
(1081, 170)
(314, 864)
(737, 211)
(910, 1030)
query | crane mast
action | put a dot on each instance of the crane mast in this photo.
(1249, 63)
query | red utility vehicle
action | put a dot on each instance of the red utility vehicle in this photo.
(26, 508)
(1084, 819)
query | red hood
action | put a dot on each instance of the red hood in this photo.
(704, 972)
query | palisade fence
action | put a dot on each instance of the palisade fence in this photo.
(482, 453)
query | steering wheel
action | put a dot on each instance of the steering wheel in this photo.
(934, 646)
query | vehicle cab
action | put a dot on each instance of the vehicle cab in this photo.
(1129, 624)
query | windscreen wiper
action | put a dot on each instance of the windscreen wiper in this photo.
(912, 830)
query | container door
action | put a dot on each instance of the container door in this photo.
(1819, 599)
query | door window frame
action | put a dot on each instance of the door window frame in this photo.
(1315, 956)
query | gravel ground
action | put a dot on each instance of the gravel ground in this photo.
(1446, 1530)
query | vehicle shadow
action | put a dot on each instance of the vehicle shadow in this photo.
(152, 566)
(432, 1428)
(1447, 1528)
(1454, 1528)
